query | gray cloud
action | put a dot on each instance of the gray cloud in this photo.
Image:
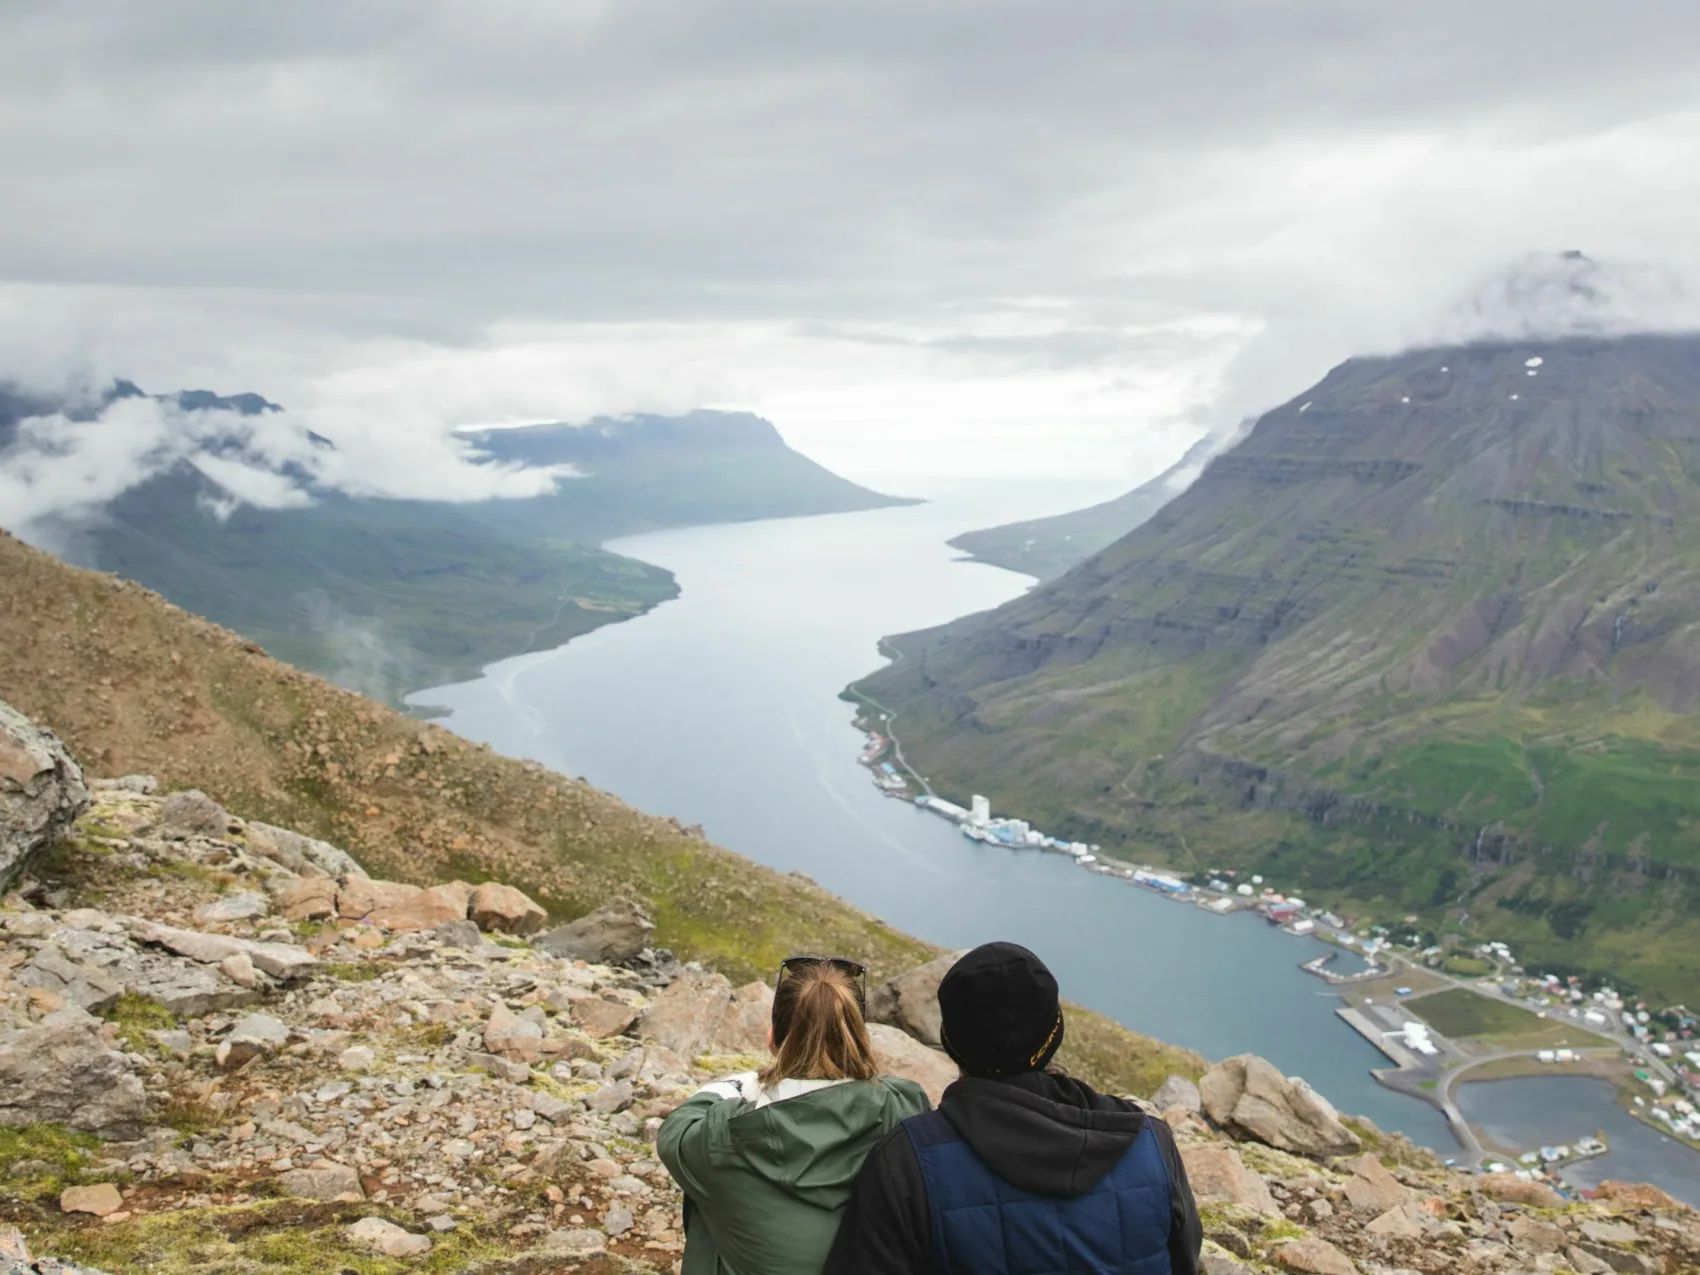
(739, 201)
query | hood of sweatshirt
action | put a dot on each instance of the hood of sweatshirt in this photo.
(1048, 1134)
(813, 1144)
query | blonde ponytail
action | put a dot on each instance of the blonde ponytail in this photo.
(818, 1031)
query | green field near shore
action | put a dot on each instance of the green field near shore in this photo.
(1461, 1014)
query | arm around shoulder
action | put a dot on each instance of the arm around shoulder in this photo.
(886, 1229)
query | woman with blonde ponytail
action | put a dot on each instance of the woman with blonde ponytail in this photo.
(767, 1159)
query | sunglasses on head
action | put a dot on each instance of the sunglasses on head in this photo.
(858, 973)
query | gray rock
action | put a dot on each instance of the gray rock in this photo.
(1216, 1262)
(387, 1238)
(254, 1036)
(302, 854)
(280, 960)
(176, 1040)
(329, 1182)
(193, 813)
(462, 934)
(1619, 1259)
(85, 986)
(61, 1072)
(146, 785)
(574, 1242)
(41, 792)
(618, 1222)
(244, 905)
(1177, 1091)
(611, 1098)
(615, 932)
(910, 1002)
(554, 1110)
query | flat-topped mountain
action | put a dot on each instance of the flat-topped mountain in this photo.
(1427, 639)
(392, 595)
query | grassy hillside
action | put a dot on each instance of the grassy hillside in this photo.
(383, 596)
(1427, 641)
(133, 684)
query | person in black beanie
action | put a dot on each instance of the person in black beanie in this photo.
(1022, 1169)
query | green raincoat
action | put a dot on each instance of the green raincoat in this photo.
(767, 1174)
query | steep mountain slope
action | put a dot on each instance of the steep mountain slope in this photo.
(1427, 638)
(133, 684)
(1047, 547)
(391, 595)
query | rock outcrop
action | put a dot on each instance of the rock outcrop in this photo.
(41, 792)
(911, 1000)
(63, 1071)
(615, 932)
(1248, 1095)
(704, 1014)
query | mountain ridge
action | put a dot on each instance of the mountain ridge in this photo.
(1046, 547)
(1425, 639)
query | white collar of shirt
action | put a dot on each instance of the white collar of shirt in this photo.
(745, 1085)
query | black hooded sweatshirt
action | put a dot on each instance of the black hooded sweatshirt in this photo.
(1044, 1133)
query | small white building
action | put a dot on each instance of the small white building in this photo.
(980, 813)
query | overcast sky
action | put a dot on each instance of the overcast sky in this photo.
(920, 235)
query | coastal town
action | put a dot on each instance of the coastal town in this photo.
(1443, 1013)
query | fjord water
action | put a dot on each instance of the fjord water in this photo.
(721, 709)
(1542, 1111)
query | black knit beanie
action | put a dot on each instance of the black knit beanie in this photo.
(1001, 1012)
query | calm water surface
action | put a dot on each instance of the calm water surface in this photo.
(721, 709)
(1548, 1110)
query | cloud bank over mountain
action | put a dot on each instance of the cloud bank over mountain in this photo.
(915, 233)
(70, 462)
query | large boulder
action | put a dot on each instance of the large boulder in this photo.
(1250, 1098)
(705, 1014)
(391, 905)
(505, 910)
(911, 1000)
(1217, 1175)
(1372, 1189)
(617, 931)
(41, 792)
(61, 1072)
(900, 1054)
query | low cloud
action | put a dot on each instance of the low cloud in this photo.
(71, 463)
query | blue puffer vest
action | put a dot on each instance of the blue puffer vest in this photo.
(984, 1226)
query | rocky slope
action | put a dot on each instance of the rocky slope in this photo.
(133, 684)
(224, 1047)
(1425, 639)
